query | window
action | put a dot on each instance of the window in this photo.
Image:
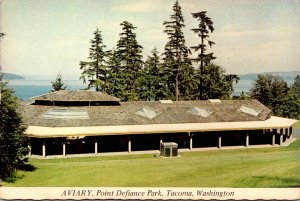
(201, 112)
(147, 113)
(65, 113)
(249, 110)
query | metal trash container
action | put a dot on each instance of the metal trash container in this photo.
(169, 149)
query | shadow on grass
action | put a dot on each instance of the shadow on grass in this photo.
(290, 182)
(27, 168)
(19, 175)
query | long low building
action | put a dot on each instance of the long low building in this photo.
(77, 122)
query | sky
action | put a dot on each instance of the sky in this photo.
(44, 38)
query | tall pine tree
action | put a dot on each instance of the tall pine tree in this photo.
(176, 63)
(205, 26)
(129, 54)
(151, 82)
(95, 70)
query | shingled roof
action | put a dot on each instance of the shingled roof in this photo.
(79, 95)
(126, 113)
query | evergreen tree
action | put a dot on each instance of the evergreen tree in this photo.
(129, 54)
(205, 26)
(150, 82)
(13, 142)
(216, 84)
(269, 89)
(296, 86)
(95, 69)
(115, 77)
(58, 84)
(177, 66)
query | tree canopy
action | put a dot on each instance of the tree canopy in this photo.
(176, 66)
(94, 70)
(274, 92)
(205, 26)
(58, 84)
(129, 55)
(151, 81)
(13, 142)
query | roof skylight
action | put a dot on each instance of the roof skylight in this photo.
(66, 114)
(214, 100)
(201, 112)
(165, 101)
(249, 110)
(147, 113)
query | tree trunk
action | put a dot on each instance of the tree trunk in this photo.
(201, 70)
(177, 90)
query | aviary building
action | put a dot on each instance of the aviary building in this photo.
(87, 122)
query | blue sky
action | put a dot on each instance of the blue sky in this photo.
(47, 37)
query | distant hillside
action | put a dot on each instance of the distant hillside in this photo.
(11, 76)
(290, 75)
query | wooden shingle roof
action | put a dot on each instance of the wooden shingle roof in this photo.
(79, 95)
(125, 113)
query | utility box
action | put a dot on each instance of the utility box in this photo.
(169, 149)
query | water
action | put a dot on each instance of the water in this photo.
(24, 89)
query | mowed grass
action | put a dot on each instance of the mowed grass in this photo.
(265, 167)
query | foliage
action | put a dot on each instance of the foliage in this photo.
(13, 142)
(273, 92)
(150, 81)
(176, 67)
(205, 26)
(58, 84)
(115, 81)
(95, 69)
(288, 106)
(269, 89)
(215, 83)
(129, 56)
(296, 86)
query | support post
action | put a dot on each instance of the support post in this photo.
(96, 145)
(160, 142)
(281, 131)
(129, 145)
(64, 148)
(191, 140)
(44, 148)
(273, 139)
(219, 142)
(29, 147)
(247, 139)
(280, 139)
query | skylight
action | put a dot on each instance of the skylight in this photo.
(165, 101)
(147, 113)
(201, 112)
(214, 100)
(249, 110)
(66, 114)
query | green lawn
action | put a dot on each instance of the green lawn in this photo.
(266, 167)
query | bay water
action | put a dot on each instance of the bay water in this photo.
(24, 89)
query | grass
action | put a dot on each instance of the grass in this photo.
(265, 167)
